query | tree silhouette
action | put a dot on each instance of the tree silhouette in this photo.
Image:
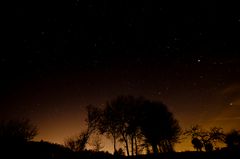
(159, 127)
(205, 138)
(233, 140)
(119, 152)
(82, 140)
(197, 144)
(132, 119)
(208, 146)
(17, 131)
(126, 113)
(107, 124)
(197, 135)
(15, 135)
(216, 135)
(93, 117)
(71, 144)
(77, 143)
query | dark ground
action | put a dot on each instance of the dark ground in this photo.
(45, 150)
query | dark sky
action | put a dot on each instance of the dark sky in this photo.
(58, 57)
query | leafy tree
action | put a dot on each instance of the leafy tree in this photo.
(158, 126)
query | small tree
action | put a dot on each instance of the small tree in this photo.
(92, 121)
(17, 131)
(197, 144)
(71, 144)
(77, 143)
(120, 152)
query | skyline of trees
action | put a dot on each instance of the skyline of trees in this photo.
(141, 125)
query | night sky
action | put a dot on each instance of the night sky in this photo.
(58, 57)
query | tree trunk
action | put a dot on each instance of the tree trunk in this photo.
(126, 143)
(136, 146)
(155, 149)
(132, 144)
(114, 143)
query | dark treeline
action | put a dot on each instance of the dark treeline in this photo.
(139, 128)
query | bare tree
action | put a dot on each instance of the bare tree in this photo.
(205, 138)
(71, 144)
(93, 117)
(17, 131)
(77, 143)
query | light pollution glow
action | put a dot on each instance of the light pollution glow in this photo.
(57, 129)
